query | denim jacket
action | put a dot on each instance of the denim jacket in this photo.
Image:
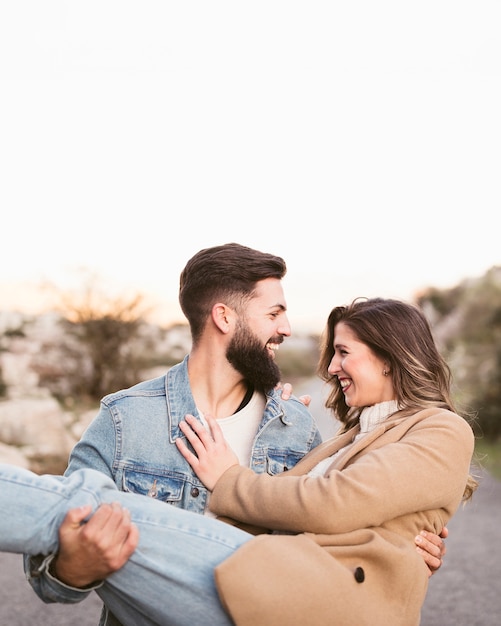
(132, 440)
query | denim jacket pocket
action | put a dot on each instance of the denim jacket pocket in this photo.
(279, 461)
(163, 488)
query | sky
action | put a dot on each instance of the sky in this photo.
(359, 140)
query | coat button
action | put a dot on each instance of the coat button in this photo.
(195, 492)
(359, 575)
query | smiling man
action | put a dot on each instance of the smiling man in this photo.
(233, 299)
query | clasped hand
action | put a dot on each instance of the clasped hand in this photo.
(213, 456)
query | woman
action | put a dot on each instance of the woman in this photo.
(344, 518)
(400, 463)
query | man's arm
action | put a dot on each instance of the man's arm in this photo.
(94, 450)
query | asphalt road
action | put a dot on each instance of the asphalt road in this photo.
(20, 606)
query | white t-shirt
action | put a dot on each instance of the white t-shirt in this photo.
(240, 429)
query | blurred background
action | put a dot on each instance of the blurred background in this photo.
(360, 141)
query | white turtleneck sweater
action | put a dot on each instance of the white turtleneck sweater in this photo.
(370, 417)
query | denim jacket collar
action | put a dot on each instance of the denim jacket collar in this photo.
(180, 400)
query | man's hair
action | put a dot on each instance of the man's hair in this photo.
(226, 273)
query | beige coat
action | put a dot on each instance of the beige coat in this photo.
(357, 563)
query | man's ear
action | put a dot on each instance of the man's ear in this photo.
(223, 317)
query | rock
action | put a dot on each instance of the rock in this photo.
(37, 424)
(77, 429)
(13, 456)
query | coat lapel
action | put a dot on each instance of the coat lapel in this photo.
(331, 446)
(322, 451)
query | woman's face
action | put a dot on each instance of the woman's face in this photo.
(359, 370)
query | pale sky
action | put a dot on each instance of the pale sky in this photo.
(360, 140)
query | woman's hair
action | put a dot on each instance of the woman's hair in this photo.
(400, 335)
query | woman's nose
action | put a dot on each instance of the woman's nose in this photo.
(333, 367)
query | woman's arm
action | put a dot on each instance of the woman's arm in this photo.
(380, 485)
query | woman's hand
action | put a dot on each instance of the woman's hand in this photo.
(213, 456)
(287, 393)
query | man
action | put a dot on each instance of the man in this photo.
(233, 299)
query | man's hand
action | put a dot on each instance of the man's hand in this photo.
(432, 548)
(287, 393)
(91, 551)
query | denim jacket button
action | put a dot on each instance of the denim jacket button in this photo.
(195, 492)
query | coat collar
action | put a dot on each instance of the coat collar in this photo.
(331, 446)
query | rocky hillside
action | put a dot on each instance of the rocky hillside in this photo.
(36, 431)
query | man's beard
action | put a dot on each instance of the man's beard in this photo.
(254, 362)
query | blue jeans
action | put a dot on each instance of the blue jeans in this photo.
(169, 578)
